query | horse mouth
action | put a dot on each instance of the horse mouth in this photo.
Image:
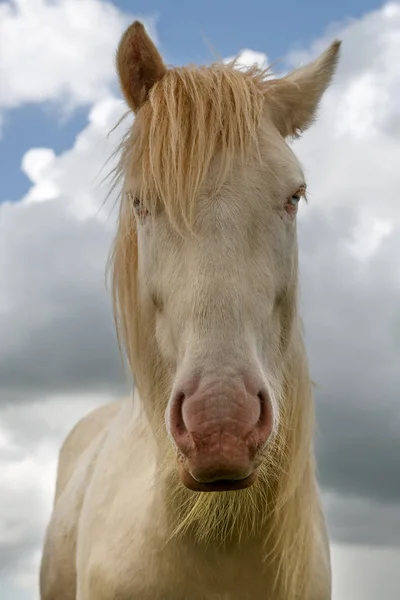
(219, 485)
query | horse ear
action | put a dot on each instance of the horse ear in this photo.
(139, 65)
(293, 100)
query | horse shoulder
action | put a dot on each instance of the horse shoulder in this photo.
(79, 438)
(76, 461)
(116, 526)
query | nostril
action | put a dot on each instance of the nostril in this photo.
(261, 397)
(177, 413)
(265, 417)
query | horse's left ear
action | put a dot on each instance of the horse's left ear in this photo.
(293, 100)
(139, 65)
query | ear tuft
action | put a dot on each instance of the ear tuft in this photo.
(293, 100)
(139, 65)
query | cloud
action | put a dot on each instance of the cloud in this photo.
(248, 58)
(56, 314)
(58, 353)
(59, 50)
(23, 475)
(349, 236)
(30, 437)
(352, 319)
(362, 573)
(364, 521)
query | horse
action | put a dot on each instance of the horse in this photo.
(202, 484)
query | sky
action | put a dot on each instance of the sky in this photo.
(59, 99)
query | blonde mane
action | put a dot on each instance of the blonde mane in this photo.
(192, 115)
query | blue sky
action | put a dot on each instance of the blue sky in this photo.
(271, 27)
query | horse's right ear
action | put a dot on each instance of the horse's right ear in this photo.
(139, 65)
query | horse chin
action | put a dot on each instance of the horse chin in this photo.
(222, 485)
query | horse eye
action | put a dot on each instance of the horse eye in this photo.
(137, 205)
(132, 198)
(292, 203)
(295, 199)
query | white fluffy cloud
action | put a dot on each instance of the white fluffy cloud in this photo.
(56, 240)
(364, 573)
(58, 50)
(30, 437)
(247, 58)
(58, 354)
(61, 177)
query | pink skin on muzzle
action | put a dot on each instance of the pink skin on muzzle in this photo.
(219, 427)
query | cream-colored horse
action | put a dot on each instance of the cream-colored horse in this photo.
(203, 486)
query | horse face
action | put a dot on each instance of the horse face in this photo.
(221, 289)
(222, 296)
